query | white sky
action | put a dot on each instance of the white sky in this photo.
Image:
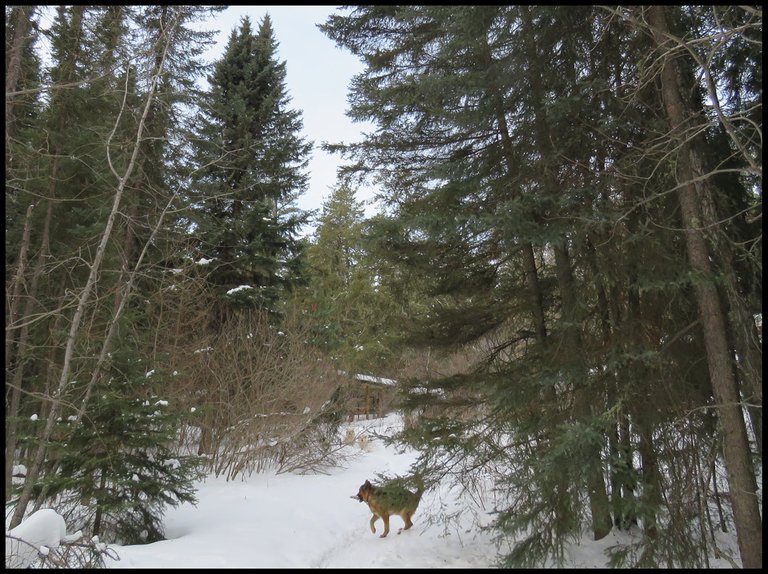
(317, 78)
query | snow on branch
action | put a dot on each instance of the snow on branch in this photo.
(42, 539)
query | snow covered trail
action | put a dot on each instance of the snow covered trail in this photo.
(305, 521)
(310, 521)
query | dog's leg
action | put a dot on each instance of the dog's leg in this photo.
(373, 519)
(407, 519)
(385, 518)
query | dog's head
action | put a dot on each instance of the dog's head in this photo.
(364, 492)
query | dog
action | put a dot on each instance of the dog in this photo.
(388, 500)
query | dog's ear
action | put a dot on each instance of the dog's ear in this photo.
(367, 483)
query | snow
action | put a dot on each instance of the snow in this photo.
(372, 379)
(240, 288)
(309, 520)
(41, 531)
(303, 521)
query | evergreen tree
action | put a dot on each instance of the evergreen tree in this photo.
(516, 170)
(250, 157)
(120, 462)
(98, 142)
(344, 298)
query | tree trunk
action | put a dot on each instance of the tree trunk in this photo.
(83, 299)
(599, 503)
(741, 480)
(15, 289)
(16, 373)
(651, 478)
(15, 391)
(21, 16)
(98, 502)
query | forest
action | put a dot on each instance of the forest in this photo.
(564, 277)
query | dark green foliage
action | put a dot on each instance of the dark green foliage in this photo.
(346, 300)
(250, 157)
(121, 461)
(527, 172)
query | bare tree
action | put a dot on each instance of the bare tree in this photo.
(86, 293)
(262, 396)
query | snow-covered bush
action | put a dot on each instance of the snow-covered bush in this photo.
(41, 541)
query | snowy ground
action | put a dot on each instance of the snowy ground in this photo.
(304, 521)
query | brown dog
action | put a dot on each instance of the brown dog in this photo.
(390, 499)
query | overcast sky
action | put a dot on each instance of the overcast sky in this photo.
(317, 78)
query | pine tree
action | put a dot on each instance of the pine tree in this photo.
(251, 158)
(120, 463)
(530, 195)
(345, 299)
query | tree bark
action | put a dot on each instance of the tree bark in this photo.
(741, 480)
(21, 16)
(83, 299)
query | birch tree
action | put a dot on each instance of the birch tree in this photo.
(64, 379)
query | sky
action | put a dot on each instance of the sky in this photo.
(318, 74)
(317, 79)
(309, 521)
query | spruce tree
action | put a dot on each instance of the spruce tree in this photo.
(121, 463)
(345, 299)
(530, 195)
(250, 156)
